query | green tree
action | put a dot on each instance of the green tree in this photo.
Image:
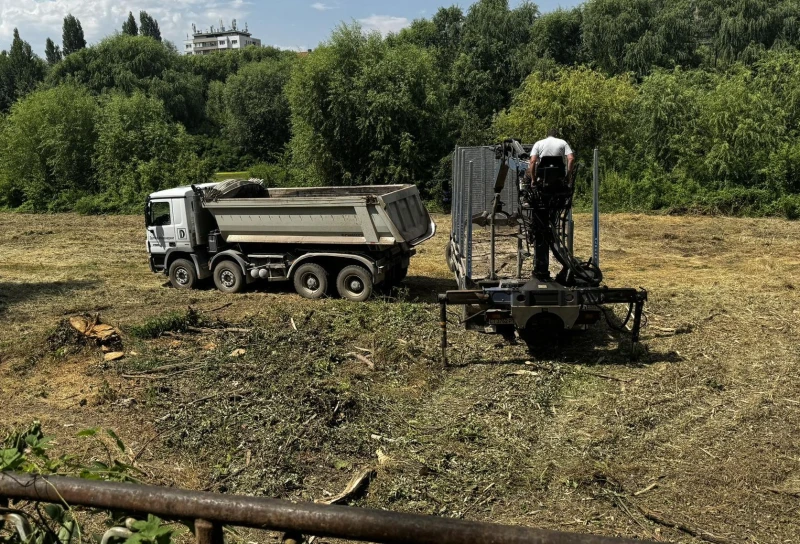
(52, 52)
(72, 39)
(139, 150)
(492, 53)
(46, 148)
(223, 64)
(637, 35)
(366, 112)
(441, 35)
(130, 63)
(129, 26)
(20, 72)
(148, 26)
(256, 116)
(557, 35)
(589, 108)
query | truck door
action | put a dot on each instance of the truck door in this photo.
(160, 226)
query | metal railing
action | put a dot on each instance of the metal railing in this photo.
(210, 511)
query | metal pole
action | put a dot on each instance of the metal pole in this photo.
(280, 515)
(492, 237)
(596, 209)
(468, 216)
(443, 326)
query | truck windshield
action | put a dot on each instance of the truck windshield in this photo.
(159, 214)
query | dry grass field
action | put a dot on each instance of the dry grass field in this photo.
(701, 429)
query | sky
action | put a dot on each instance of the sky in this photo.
(286, 24)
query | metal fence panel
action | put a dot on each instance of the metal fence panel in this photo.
(474, 173)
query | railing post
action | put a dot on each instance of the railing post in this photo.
(207, 532)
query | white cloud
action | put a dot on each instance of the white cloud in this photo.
(319, 6)
(38, 20)
(384, 24)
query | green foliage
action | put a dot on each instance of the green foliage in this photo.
(172, 322)
(20, 72)
(148, 26)
(129, 27)
(695, 104)
(220, 66)
(52, 52)
(139, 151)
(252, 107)
(492, 54)
(72, 39)
(136, 63)
(152, 531)
(588, 108)
(364, 111)
(557, 35)
(46, 146)
(28, 450)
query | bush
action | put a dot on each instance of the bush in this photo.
(46, 147)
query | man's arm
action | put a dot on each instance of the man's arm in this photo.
(532, 166)
(570, 163)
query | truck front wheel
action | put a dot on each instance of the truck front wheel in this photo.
(310, 280)
(354, 283)
(182, 274)
(228, 277)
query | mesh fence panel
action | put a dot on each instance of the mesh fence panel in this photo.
(474, 173)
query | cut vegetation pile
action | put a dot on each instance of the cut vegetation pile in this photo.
(266, 393)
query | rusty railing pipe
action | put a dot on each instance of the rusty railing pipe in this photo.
(280, 515)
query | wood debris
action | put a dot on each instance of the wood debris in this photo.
(356, 485)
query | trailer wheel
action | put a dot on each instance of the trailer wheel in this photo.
(354, 283)
(182, 274)
(228, 277)
(310, 281)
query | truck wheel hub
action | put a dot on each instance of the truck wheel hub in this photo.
(355, 285)
(227, 278)
(312, 282)
(182, 276)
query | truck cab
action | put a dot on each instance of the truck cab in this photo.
(171, 219)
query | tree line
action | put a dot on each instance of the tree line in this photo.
(695, 105)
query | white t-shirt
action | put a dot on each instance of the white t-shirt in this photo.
(551, 147)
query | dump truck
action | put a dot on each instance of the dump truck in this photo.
(240, 232)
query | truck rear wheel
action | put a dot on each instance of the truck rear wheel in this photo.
(354, 283)
(228, 277)
(310, 281)
(182, 274)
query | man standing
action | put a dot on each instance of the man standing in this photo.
(547, 154)
(550, 152)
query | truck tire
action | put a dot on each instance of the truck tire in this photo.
(228, 277)
(310, 281)
(182, 274)
(354, 283)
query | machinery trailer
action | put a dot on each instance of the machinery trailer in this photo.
(240, 231)
(500, 219)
